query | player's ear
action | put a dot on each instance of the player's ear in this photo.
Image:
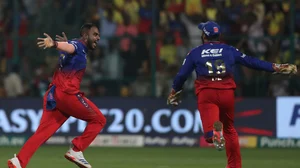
(204, 36)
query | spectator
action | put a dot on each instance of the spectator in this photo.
(107, 27)
(2, 88)
(167, 52)
(127, 31)
(260, 28)
(41, 81)
(13, 83)
(141, 87)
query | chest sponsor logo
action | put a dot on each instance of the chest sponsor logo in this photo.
(216, 52)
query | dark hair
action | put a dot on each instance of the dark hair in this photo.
(213, 38)
(86, 27)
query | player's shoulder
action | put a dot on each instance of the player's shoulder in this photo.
(78, 44)
(195, 50)
(75, 42)
(80, 48)
(230, 47)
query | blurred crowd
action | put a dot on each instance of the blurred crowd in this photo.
(143, 43)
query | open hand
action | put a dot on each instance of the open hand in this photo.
(287, 69)
(45, 42)
(62, 38)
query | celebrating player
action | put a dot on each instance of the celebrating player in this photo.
(64, 99)
(214, 87)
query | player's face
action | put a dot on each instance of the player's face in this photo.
(93, 38)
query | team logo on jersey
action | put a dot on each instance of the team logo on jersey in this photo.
(216, 52)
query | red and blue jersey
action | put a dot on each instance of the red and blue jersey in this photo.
(71, 68)
(214, 64)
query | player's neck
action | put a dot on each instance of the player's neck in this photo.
(82, 41)
(213, 42)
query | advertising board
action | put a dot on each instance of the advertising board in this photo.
(161, 125)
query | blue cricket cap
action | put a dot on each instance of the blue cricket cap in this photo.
(210, 28)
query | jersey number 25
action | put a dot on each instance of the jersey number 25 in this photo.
(215, 67)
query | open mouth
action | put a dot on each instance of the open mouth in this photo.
(95, 44)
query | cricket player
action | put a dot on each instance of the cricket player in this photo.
(214, 87)
(64, 99)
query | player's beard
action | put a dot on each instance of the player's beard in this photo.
(91, 44)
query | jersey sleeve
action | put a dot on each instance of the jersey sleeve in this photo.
(184, 72)
(76, 44)
(251, 62)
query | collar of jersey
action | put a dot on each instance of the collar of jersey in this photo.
(83, 44)
(212, 42)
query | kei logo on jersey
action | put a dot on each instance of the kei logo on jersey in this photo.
(216, 52)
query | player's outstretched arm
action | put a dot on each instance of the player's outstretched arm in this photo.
(255, 63)
(47, 42)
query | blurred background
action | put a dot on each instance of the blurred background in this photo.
(143, 43)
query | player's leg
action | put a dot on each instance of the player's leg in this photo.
(80, 107)
(209, 112)
(49, 124)
(230, 134)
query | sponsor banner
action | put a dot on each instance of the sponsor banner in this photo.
(288, 117)
(244, 141)
(123, 117)
(171, 141)
(144, 116)
(269, 142)
(12, 140)
(59, 140)
(103, 140)
(156, 141)
(248, 141)
(119, 141)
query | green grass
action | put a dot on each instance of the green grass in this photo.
(52, 157)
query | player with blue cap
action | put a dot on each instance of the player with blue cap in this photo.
(215, 85)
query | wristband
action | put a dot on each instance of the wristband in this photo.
(54, 44)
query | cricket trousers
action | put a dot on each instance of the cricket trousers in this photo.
(218, 105)
(76, 105)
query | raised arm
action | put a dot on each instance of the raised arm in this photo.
(49, 43)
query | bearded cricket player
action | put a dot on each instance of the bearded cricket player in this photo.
(64, 99)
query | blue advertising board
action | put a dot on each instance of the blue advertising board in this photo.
(149, 117)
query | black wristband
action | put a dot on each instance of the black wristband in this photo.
(54, 44)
